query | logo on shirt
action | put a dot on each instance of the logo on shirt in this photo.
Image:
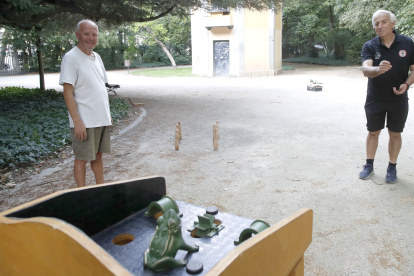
(402, 53)
(377, 55)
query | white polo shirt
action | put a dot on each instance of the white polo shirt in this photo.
(88, 77)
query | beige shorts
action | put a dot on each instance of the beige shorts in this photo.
(99, 139)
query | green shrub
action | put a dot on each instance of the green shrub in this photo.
(34, 123)
(318, 61)
(119, 108)
(287, 68)
(183, 60)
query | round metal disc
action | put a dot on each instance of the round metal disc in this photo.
(194, 267)
(212, 210)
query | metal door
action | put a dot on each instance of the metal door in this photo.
(221, 58)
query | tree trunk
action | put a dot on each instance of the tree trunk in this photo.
(25, 60)
(2, 56)
(166, 52)
(121, 39)
(331, 18)
(30, 61)
(164, 49)
(15, 61)
(3, 49)
(338, 47)
(339, 50)
(40, 62)
(312, 51)
(326, 49)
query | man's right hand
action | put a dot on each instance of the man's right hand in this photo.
(80, 131)
(79, 127)
(384, 66)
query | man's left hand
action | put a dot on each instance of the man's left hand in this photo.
(403, 88)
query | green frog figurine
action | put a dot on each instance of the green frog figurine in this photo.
(165, 243)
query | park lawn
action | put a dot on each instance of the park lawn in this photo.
(162, 73)
(330, 61)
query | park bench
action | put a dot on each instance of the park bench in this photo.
(112, 87)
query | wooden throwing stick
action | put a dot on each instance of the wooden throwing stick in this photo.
(135, 104)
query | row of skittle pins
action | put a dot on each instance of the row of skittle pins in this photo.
(179, 135)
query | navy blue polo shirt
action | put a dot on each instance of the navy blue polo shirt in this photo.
(400, 55)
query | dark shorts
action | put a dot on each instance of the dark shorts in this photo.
(395, 112)
(98, 139)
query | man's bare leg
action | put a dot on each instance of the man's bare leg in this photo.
(97, 168)
(80, 172)
(394, 145)
(372, 144)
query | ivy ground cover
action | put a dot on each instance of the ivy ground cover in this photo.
(34, 123)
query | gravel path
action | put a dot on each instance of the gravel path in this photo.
(281, 148)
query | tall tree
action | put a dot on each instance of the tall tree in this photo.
(304, 25)
(339, 25)
(167, 31)
(25, 14)
(356, 16)
(405, 22)
(36, 14)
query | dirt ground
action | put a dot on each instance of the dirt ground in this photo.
(281, 148)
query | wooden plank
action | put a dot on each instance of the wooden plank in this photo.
(36, 201)
(278, 250)
(47, 246)
(299, 270)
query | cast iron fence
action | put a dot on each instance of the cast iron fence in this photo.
(9, 63)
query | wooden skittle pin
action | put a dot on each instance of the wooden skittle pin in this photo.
(179, 129)
(215, 140)
(177, 138)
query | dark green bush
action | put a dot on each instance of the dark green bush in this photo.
(34, 123)
(119, 108)
(287, 68)
(183, 60)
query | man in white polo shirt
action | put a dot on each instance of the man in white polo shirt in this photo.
(83, 78)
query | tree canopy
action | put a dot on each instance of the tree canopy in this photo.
(54, 15)
(340, 26)
(26, 14)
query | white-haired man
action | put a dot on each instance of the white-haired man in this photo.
(83, 78)
(386, 60)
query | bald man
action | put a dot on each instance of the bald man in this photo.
(83, 78)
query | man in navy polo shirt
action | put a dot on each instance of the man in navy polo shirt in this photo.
(386, 60)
